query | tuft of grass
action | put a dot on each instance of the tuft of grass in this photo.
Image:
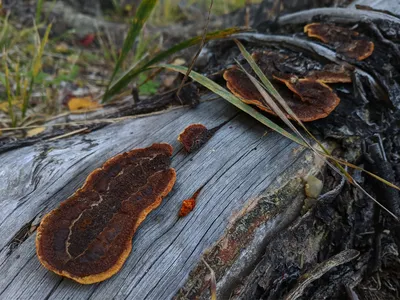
(8, 91)
(144, 10)
(203, 40)
(39, 7)
(107, 46)
(141, 67)
(171, 10)
(36, 68)
(4, 34)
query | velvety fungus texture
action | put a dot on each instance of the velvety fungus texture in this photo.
(313, 99)
(194, 137)
(331, 74)
(89, 236)
(344, 40)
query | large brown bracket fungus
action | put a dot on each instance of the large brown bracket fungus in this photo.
(313, 99)
(344, 40)
(89, 236)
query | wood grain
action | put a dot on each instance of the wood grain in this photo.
(239, 164)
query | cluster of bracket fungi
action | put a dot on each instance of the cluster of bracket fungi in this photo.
(313, 98)
(316, 58)
(89, 236)
(343, 39)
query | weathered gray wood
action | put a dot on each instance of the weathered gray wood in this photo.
(239, 165)
(388, 5)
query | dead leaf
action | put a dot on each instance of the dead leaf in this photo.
(62, 48)
(35, 131)
(4, 106)
(179, 62)
(169, 80)
(81, 103)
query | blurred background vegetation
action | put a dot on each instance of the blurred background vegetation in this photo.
(47, 69)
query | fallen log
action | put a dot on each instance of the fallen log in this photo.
(252, 224)
(245, 170)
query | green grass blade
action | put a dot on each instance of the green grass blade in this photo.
(37, 63)
(39, 7)
(220, 91)
(367, 172)
(271, 89)
(144, 10)
(36, 68)
(8, 91)
(270, 102)
(4, 33)
(135, 70)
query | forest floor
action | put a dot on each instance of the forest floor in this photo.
(67, 72)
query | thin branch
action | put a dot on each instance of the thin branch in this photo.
(203, 41)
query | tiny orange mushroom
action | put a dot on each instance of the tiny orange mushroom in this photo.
(188, 204)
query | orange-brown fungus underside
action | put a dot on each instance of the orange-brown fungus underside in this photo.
(315, 100)
(189, 204)
(330, 74)
(272, 64)
(344, 40)
(194, 136)
(89, 236)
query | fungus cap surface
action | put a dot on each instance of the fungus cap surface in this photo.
(345, 40)
(194, 137)
(315, 99)
(89, 236)
(331, 74)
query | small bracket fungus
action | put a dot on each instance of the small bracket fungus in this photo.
(195, 136)
(188, 204)
(89, 236)
(344, 40)
(316, 99)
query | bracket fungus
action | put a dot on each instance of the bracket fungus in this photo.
(331, 74)
(314, 100)
(89, 236)
(317, 99)
(344, 40)
(195, 136)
